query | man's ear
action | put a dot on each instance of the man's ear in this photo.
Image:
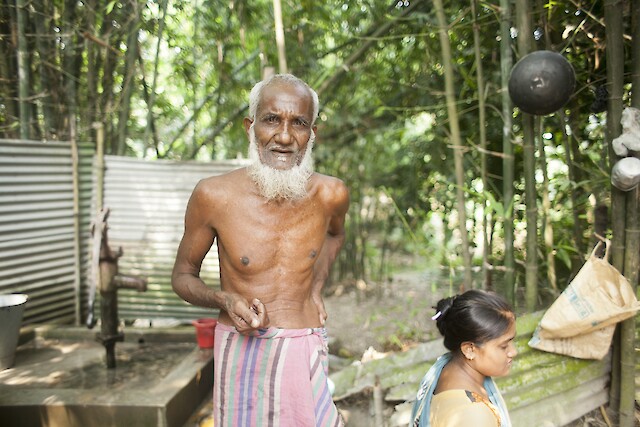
(314, 128)
(247, 122)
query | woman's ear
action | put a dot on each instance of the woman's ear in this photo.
(467, 349)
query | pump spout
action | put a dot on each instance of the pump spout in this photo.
(130, 282)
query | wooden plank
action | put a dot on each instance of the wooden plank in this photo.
(562, 408)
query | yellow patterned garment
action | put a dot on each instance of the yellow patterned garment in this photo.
(462, 408)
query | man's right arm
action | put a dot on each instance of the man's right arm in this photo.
(196, 242)
(198, 238)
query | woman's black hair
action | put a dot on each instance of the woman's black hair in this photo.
(475, 316)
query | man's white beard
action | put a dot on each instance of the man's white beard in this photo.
(280, 184)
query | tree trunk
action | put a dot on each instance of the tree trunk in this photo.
(456, 139)
(24, 76)
(129, 78)
(506, 62)
(108, 63)
(8, 82)
(547, 226)
(483, 143)
(632, 253)
(70, 67)
(152, 96)
(615, 81)
(282, 52)
(91, 89)
(528, 150)
(48, 111)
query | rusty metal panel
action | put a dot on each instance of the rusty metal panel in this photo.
(37, 232)
(147, 202)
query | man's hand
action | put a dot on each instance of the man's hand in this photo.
(246, 318)
(322, 313)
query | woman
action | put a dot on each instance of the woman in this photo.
(458, 390)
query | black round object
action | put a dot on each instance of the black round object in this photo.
(541, 82)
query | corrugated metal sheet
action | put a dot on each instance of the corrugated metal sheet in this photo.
(147, 202)
(38, 249)
(37, 232)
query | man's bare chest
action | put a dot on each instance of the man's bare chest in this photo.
(271, 230)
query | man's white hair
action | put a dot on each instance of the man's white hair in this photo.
(256, 93)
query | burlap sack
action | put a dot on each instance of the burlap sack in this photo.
(598, 296)
(581, 322)
(593, 345)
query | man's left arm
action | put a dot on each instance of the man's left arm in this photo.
(333, 243)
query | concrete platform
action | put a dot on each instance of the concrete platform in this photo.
(59, 379)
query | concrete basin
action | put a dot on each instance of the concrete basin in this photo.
(59, 378)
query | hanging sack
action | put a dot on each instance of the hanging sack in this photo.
(593, 345)
(582, 320)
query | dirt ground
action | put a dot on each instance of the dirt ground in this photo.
(385, 316)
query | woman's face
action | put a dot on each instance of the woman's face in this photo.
(494, 357)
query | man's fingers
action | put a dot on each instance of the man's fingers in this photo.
(323, 318)
(261, 311)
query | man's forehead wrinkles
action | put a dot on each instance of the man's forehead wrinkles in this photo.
(286, 112)
(286, 98)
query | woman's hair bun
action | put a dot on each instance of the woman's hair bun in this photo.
(442, 308)
(475, 315)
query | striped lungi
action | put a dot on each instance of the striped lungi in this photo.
(278, 377)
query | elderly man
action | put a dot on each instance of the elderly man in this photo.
(278, 227)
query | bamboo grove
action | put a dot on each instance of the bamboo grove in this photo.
(443, 170)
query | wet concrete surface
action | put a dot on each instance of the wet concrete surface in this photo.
(60, 378)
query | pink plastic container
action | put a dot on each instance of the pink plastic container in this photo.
(205, 331)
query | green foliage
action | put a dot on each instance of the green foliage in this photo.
(383, 124)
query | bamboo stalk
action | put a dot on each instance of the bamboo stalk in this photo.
(506, 62)
(632, 258)
(528, 149)
(456, 139)
(615, 79)
(483, 143)
(23, 69)
(77, 253)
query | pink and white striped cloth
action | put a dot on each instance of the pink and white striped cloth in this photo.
(278, 377)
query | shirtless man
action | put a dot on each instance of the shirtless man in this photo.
(278, 226)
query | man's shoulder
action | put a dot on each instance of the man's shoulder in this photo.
(217, 184)
(328, 180)
(332, 189)
(232, 176)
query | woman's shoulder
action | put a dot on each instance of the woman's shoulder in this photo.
(457, 408)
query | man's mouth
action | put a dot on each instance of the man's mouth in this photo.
(277, 149)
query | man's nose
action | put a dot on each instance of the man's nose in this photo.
(284, 135)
